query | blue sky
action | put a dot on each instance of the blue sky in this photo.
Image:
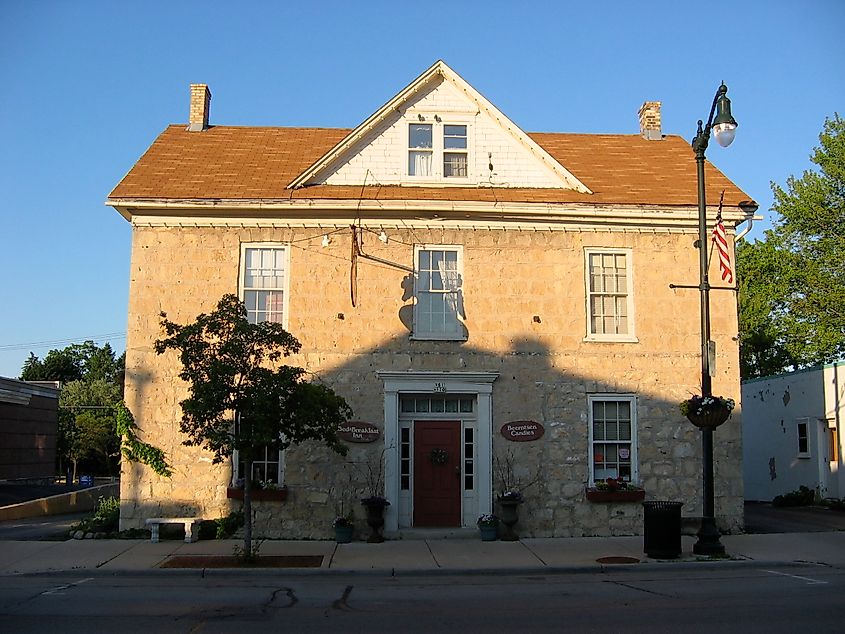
(85, 87)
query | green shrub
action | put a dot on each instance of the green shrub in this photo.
(802, 497)
(228, 526)
(105, 518)
(207, 530)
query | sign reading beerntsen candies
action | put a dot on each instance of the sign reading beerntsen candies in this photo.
(522, 430)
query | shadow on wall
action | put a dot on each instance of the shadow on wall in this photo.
(533, 384)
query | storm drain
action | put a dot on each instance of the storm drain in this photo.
(618, 560)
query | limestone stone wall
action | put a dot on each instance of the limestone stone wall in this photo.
(524, 293)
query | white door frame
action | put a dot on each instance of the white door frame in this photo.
(479, 384)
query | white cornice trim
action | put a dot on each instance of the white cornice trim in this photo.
(425, 213)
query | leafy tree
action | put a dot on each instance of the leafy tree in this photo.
(792, 289)
(87, 423)
(76, 362)
(59, 365)
(92, 385)
(94, 435)
(240, 397)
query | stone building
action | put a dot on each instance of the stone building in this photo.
(493, 304)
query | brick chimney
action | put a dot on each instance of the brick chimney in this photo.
(200, 101)
(650, 121)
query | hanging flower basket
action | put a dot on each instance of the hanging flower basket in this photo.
(707, 412)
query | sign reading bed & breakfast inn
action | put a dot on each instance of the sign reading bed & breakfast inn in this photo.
(356, 431)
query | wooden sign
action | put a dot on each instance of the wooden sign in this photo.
(357, 431)
(522, 430)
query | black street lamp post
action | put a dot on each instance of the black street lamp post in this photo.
(724, 129)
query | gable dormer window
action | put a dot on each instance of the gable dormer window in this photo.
(419, 149)
(438, 150)
(454, 151)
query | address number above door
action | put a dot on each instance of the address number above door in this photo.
(523, 430)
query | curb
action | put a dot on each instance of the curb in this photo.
(649, 566)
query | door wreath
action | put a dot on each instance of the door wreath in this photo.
(438, 456)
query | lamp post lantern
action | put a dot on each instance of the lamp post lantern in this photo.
(723, 126)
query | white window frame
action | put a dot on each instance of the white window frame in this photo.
(420, 150)
(280, 473)
(460, 334)
(242, 289)
(630, 336)
(281, 246)
(463, 151)
(438, 120)
(805, 423)
(631, 399)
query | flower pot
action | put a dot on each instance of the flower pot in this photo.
(375, 518)
(488, 533)
(508, 517)
(343, 534)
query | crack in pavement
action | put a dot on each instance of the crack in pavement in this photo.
(632, 587)
(341, 604)
(290, 594)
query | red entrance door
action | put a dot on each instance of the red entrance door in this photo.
(437, 473)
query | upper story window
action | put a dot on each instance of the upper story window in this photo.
(420, 149)
(438, 294)
(264, 282)
(438, 150)
(454, 151)
(610, 305)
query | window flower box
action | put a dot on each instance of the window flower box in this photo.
(259, 495)
(631, 495)
(615, 490)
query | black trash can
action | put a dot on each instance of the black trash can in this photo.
(662, 529)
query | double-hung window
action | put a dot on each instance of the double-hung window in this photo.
(438, 150)
(609, 295)
(438, 295)
(263, 289)
(263, 282)
(420, 149)
(613, 433)
(454, 151)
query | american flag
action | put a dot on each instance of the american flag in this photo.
(720, 240)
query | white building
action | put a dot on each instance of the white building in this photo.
(792, 426)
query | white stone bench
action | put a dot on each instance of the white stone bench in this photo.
(190, 523)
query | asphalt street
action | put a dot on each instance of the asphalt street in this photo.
(784, 599)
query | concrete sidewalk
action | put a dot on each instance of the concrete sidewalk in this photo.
(424, 556)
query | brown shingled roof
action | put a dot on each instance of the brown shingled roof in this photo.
(226, 162)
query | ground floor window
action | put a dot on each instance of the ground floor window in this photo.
(613, 438)
(803, 429)
(266, 467)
